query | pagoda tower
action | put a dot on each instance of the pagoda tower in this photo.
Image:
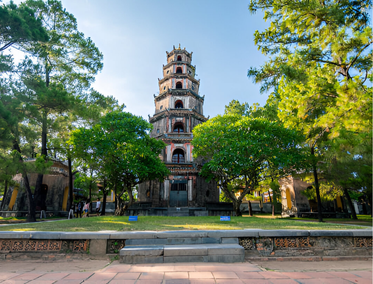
(178, 109)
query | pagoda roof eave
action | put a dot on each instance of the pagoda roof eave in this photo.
(179, 76)
(178, 92)
(184, 111)
(178, 62)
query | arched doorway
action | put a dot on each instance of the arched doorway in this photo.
(178, 156)
(179, 104)
(179, 70)
(179, 85)
(179, 58)
(41, 203)
(179, 127)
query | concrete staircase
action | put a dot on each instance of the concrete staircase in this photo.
(170, 250)
(178, 211)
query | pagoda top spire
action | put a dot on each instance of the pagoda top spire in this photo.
(179, 50)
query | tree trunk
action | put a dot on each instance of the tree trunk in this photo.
(370, 204)
(272, 203)
(116, 202)
(71, 189)
(104, 200)
(129, 191)
(349, 201)
(319, 206)
(104, 204)
(39, 179)
(116, 196)
(236, 207)
(5, 192)
(31, 217)
(90, 194)
(250, 209)
(335, 205)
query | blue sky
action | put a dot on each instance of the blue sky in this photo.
(134, 36)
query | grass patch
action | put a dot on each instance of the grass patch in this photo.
(363, 220)
(157, 223)
(15, 220)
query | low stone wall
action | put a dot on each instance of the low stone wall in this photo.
(257, 243)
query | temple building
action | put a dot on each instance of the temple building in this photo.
(178, 109)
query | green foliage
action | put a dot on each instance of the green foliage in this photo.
(327, 192)
(121, 151)
(18, 25)
(224, 198)
(349, 162)
(320, 61)
(236, 108)
(319, 66)
(241, 149)
(355, 195)
(268, 111)
(276, 193)
(38, 111)
(85, 183)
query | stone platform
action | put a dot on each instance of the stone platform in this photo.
(256, 244)
(172, 250)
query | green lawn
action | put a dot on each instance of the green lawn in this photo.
(155, 223)
(364, 220)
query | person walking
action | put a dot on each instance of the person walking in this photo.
(80, 209)
(98, 207)
(86, 208)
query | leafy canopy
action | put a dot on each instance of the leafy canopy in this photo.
(121, 149)
(235, 147)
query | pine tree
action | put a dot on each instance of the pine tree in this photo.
(320, 60)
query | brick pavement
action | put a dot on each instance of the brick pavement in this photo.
(192, 273)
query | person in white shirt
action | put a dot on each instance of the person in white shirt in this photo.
(98, 207)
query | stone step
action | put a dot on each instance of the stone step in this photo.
(178, 214)
(182, 253)
(180, 241)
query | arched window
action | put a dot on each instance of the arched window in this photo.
(178, 156)
(179, 58)
(179, 85)
(179, 70)
(178, 127)
(179, 104)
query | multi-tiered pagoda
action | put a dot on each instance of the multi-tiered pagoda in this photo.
(178, 109)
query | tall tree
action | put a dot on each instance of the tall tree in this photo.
(67, 63)
(17, 138)
(90, 107)
(320, 58)
(239, 148)
(19, 26)
(124, 153)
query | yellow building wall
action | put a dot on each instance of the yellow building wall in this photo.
(110, 197)
(13, 198)
(288, 198)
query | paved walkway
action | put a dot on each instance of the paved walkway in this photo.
(100, 271)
